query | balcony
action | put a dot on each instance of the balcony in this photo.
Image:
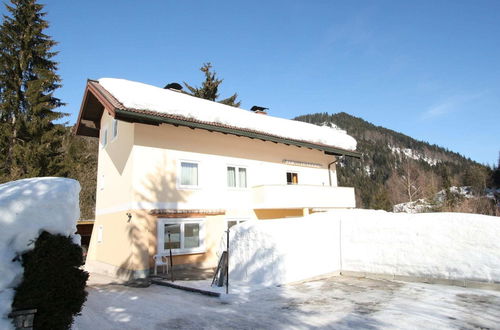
(302, 196)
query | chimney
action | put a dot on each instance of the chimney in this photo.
(173, 87)
(259, 110)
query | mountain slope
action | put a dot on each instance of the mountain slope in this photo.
(396, 168)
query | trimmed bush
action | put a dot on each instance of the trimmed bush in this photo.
(53, 283)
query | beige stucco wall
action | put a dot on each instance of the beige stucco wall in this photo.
(159, 150)
(114, 168)
(124, 243)
(138, 170)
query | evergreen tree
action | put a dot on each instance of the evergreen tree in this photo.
(53, 282)
(30, 141)
(495, 176)
(80, 163)
(209, 88)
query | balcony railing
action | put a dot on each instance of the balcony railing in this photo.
(302, 196)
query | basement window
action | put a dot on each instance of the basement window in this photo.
(187, 235)
(292, 178)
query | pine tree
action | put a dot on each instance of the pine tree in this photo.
(495, 176)
(30, 141)
(209, 88)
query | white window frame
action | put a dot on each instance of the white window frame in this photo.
(179, 173)
(237, 167)
(161, 238)
(104, 138)
(114, 129)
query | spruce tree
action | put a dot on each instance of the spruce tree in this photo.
(209, 88)
(495, 176)
(30, 140)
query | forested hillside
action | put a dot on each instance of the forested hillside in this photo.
(396, 168)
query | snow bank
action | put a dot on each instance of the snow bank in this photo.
(28, 207)
(441, 245)
(140, 96)
(280, 251)
(418, 206)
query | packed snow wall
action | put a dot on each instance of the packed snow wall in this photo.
(28, 207)
(272, 252)
(439, 245)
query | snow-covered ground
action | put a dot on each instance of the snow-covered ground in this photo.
(28, 207)
(333, 303)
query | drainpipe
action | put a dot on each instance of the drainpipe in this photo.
(329, 171)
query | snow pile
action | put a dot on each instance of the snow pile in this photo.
(418, 206)
(140, 96)
(442, 245)
(28, 207)
(280, 251)
(452, 246)
(426, 205)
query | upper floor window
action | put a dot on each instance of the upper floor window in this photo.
(292, 178)
(188, 174)
(236, 177)
(104, 138)
(114, 129)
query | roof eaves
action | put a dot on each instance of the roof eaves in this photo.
(150, 116)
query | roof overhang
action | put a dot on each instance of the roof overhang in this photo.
(97, 99)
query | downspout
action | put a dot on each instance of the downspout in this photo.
(329, 169)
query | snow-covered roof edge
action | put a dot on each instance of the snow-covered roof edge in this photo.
(154, 101)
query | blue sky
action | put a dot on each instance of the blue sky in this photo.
(429, 69)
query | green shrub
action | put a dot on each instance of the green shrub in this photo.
(53, 283)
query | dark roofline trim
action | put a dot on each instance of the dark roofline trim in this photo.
(152, 119)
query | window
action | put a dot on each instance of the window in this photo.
(292, 178)
(186, 236)
(114, 129)
(188, 174)
(234, 222)
(236, 177)
(101, 182)
(99, 234)
(104, 139)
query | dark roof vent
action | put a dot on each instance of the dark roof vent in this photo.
(175, 86)
(259, 110)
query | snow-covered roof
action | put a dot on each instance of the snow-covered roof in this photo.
(137, 96)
